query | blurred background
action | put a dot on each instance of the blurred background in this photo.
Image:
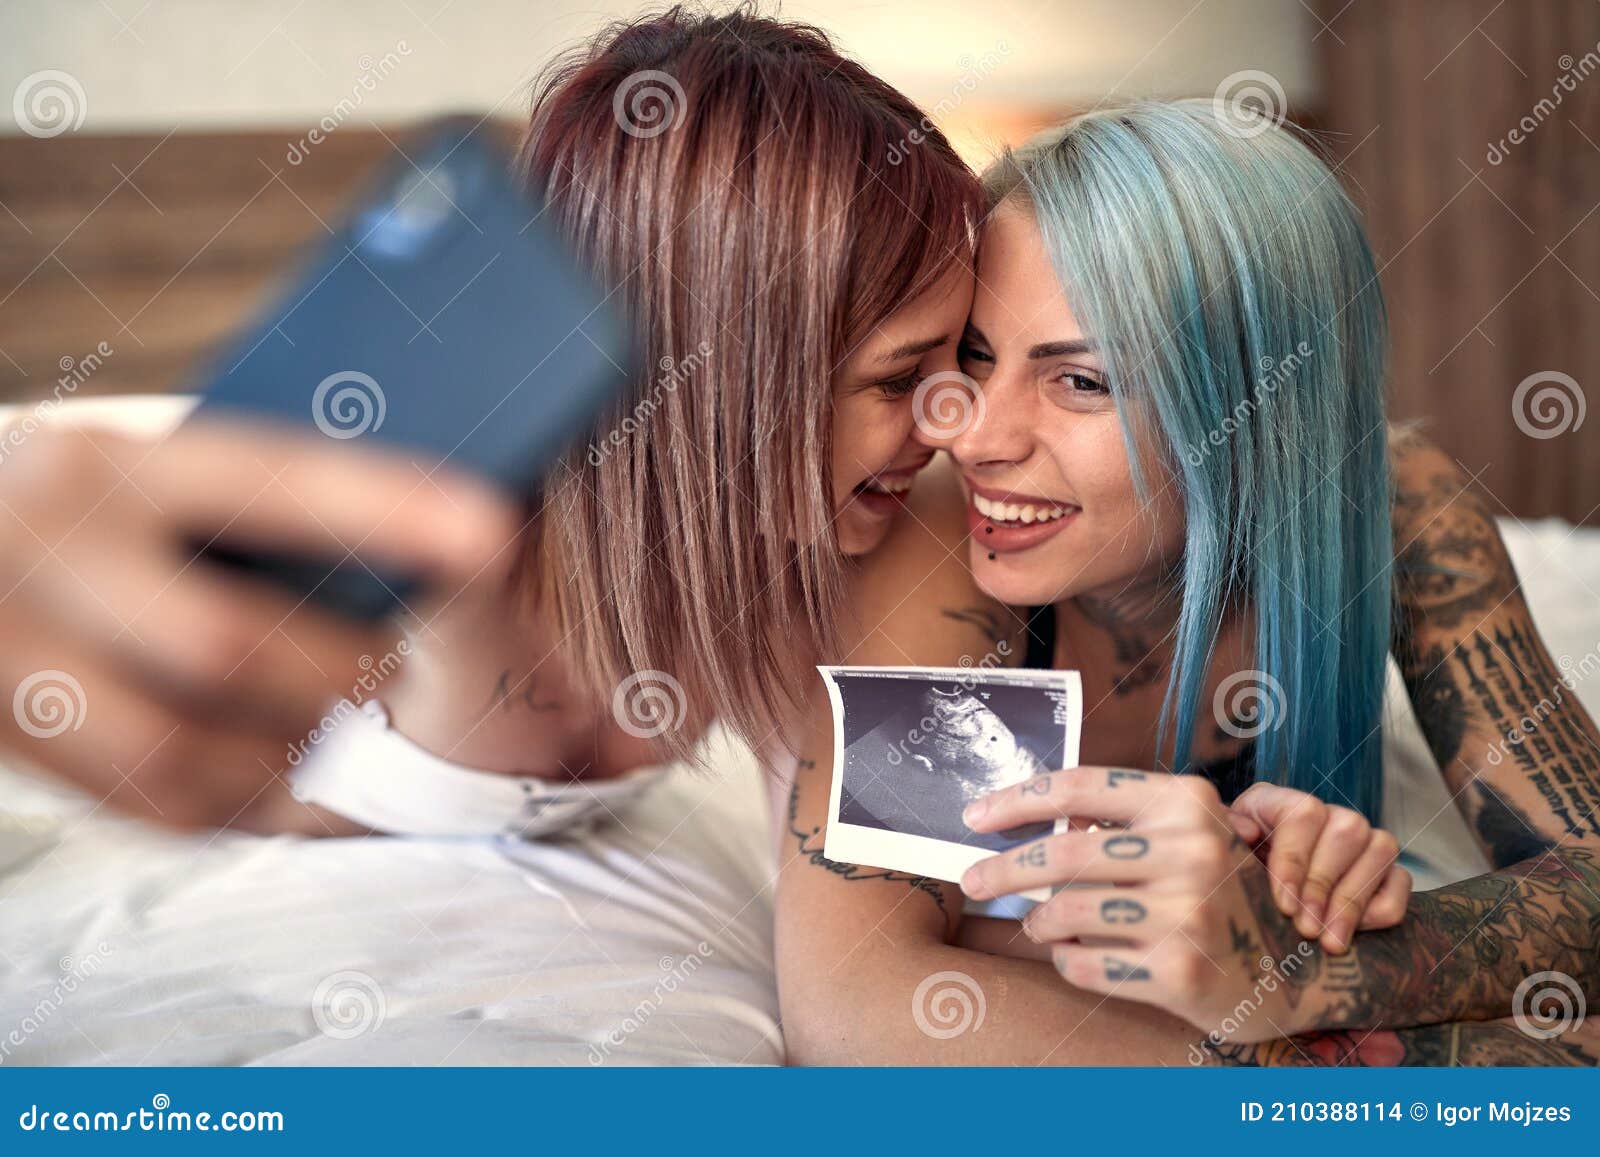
(162, 160)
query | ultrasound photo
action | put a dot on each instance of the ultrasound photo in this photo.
(914, 745)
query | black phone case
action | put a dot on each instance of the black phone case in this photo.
(444, 317)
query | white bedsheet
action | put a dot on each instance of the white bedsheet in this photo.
(648, 943)
(121, 944)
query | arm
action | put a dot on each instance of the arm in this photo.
(1521, 757)
(1454, 1045)
(1169, 907)
(127, 653)
(867, 973)
(1519, 752)
(1464, 949)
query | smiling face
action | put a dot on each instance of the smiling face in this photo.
(1051, 501)
(877, 448)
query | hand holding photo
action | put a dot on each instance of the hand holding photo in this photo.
(913, 746)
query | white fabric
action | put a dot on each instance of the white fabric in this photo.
(126, 945)
(365, 770)
(122, 944)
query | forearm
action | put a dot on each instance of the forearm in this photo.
(1519, 751)
(1440, 1046)
(1462, 950)
(936, 1004)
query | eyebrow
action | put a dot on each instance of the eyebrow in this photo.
(1049, 349)
(912, 349)
(1058, 349)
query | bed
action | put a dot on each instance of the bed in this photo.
(647, 941)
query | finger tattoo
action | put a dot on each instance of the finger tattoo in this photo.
(1121, 911)
(1032, 856)
(1118, 970)
(1126, 847)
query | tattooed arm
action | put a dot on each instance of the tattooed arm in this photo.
(1521, 758)
(1460, 955)
(1519, 752)
(1169, 907)
(1456, 1045)
(1463, 950)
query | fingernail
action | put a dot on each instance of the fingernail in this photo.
(975, 811)
(972, 885)
(1027, 930)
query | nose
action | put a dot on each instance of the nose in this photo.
(1002, 427)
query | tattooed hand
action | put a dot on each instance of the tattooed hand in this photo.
(1168, 908)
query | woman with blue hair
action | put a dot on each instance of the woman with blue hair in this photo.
(1173, 452)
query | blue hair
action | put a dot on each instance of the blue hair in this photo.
(1227, 280)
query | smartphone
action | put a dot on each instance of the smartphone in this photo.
(443, 317)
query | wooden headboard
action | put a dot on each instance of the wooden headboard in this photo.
(156, 246)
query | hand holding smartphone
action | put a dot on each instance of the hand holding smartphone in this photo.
(443, 321)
